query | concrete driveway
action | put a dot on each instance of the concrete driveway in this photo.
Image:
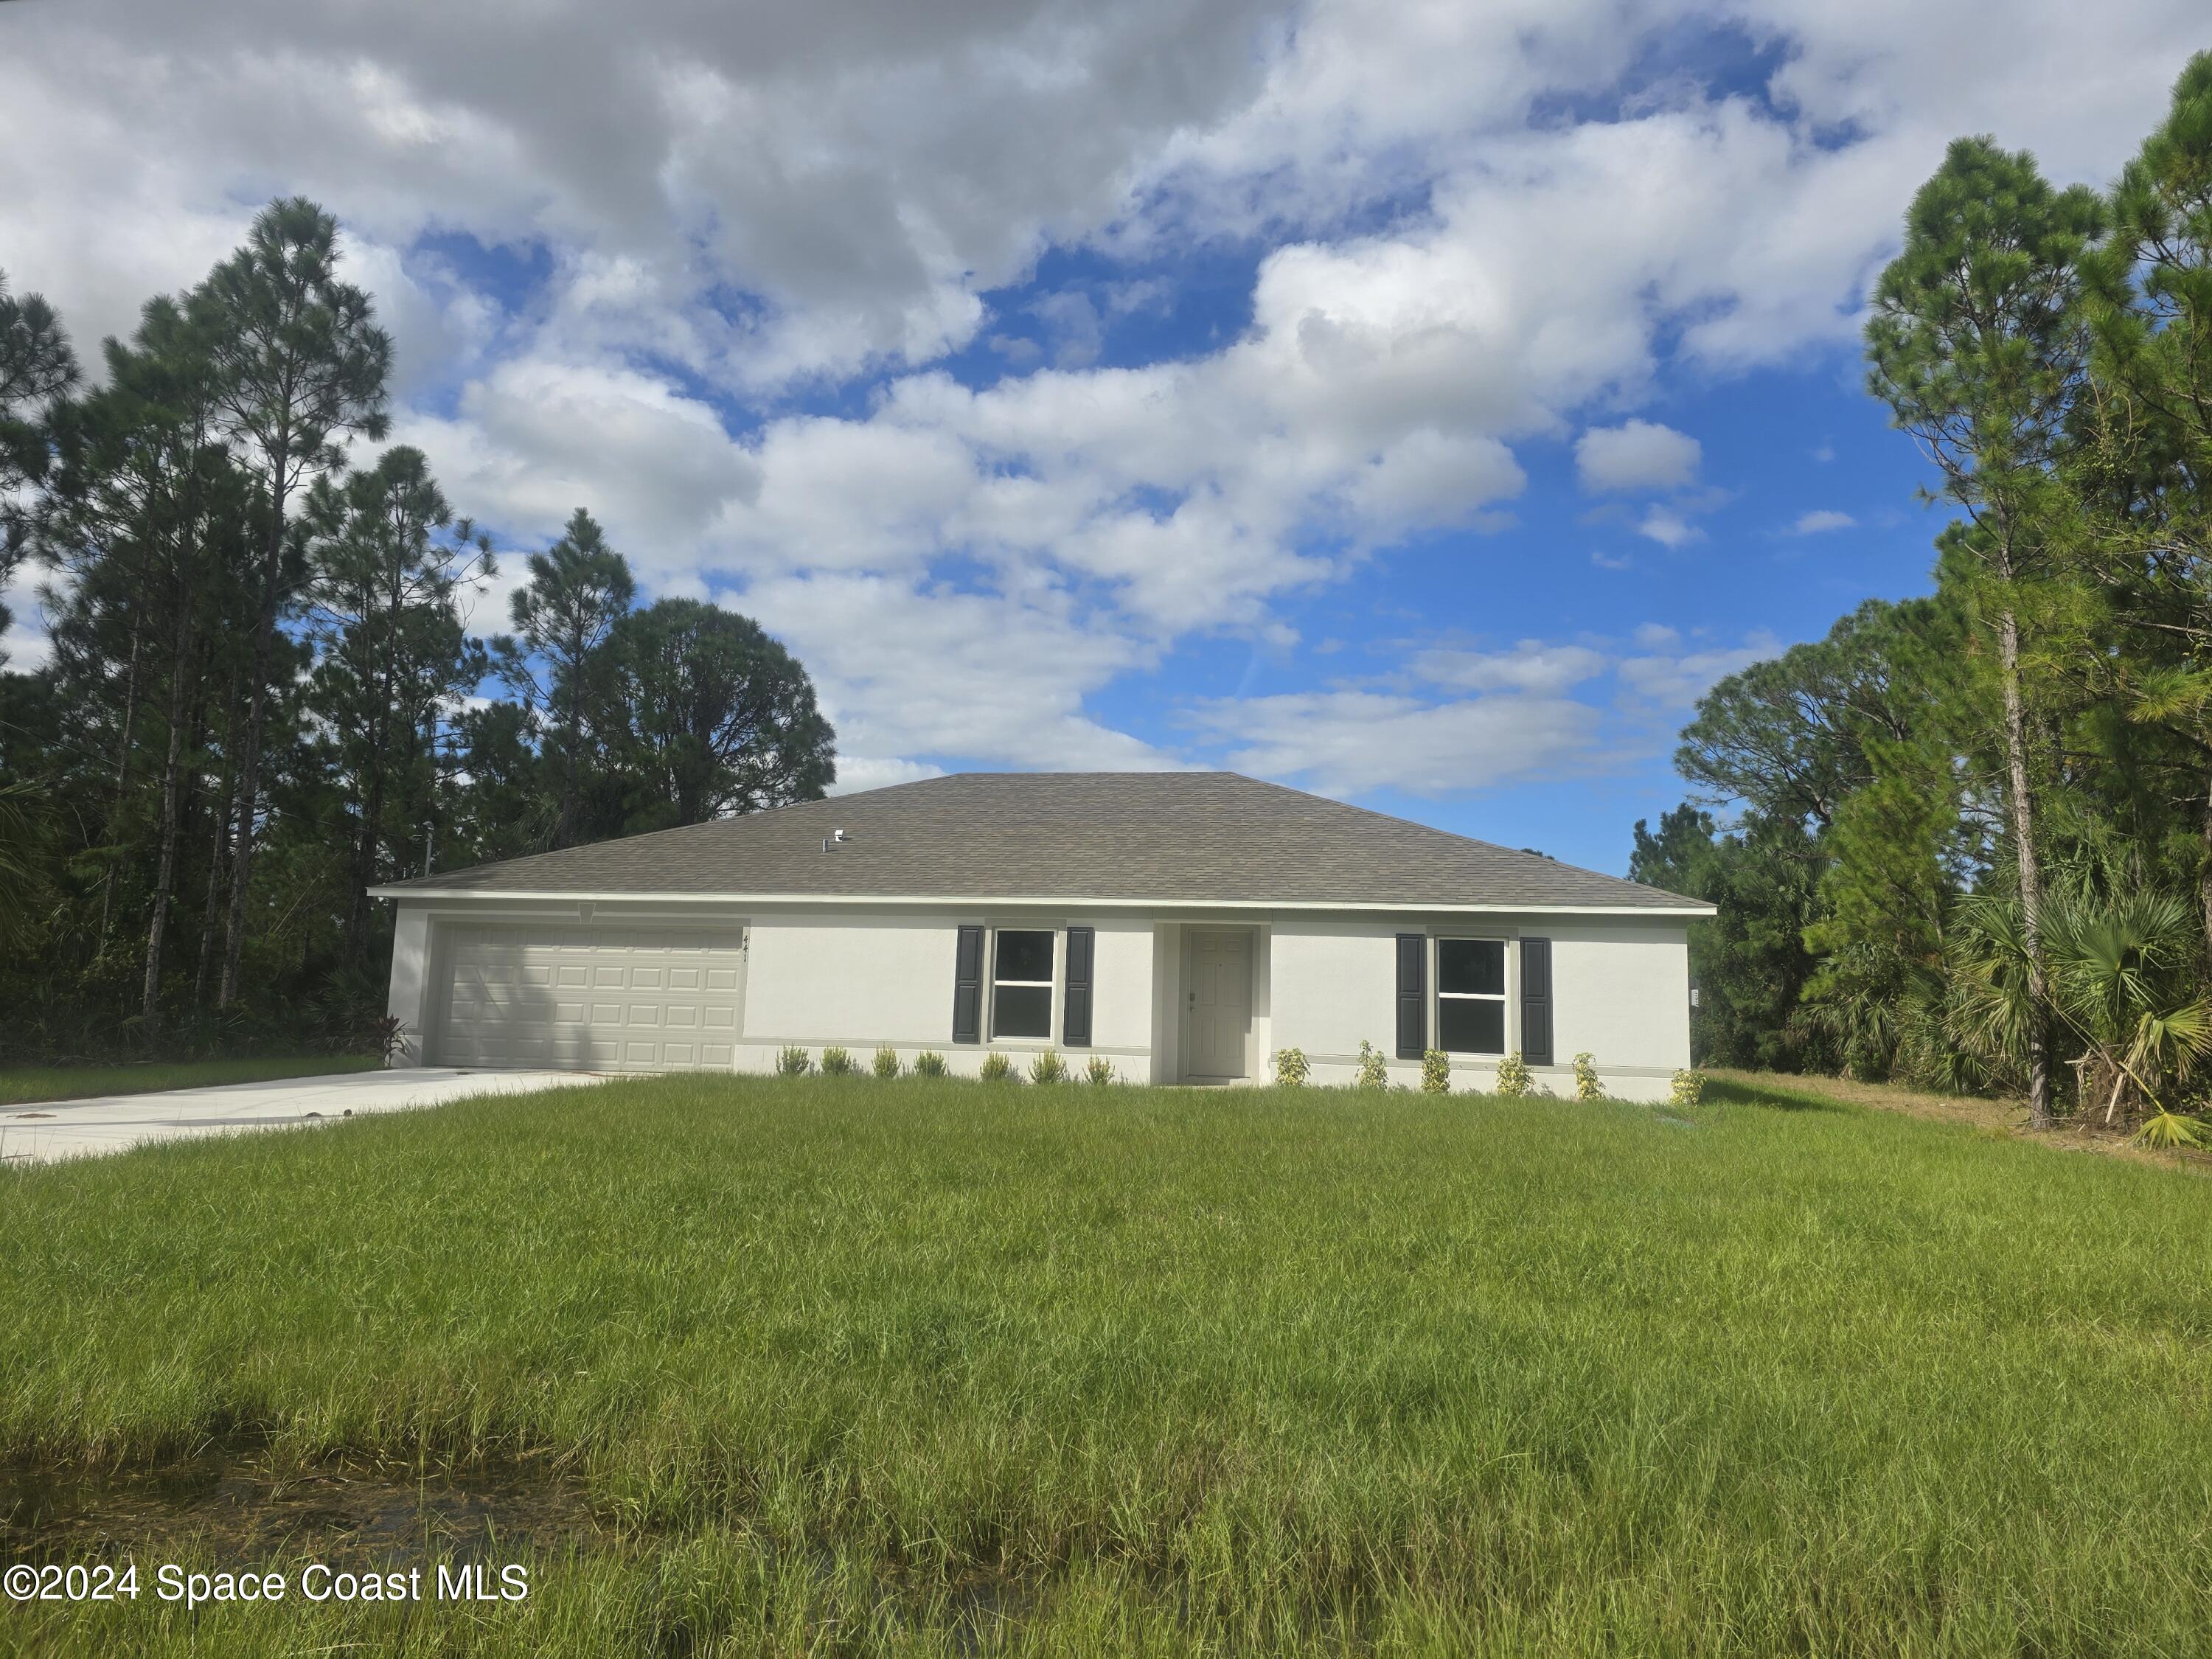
(109, 1123)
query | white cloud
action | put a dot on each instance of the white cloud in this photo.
(1821, 519)
(1544, 708)
(858, 772)
(1667, 682)
(907, 672)
(1636, 455)
(1531, 665)
(1427, 479)
(1350, 742)
(750, 207)
(1667, 527)
(534, 439)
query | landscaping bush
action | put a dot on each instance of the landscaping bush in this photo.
(929, 1063)
(1436, 1072)
(886, 1063)
(996, 1068)
(1374, 1067)
(1689, 1088)
(836, 1062)
(1587, 1087)
(1291, 1070)
(1049, 1067)
(1099, 1070)
(794, 1062)
(1513, 1078)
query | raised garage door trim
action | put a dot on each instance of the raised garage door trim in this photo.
(616, 998)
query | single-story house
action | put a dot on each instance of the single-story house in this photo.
(1185, 925)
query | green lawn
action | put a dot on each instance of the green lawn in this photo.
(19, 1084)
(849, 1367)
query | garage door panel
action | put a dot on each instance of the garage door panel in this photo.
(667, 998)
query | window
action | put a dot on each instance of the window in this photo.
(1021, 984)
(1471, 996)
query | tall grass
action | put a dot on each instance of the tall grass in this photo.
(927, 1367)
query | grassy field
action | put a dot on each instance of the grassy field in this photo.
(22, 1084)
(834, 1366)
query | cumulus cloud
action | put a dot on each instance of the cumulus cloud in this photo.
(1544, 708)
(1821, 519)
(1532, 666)
(1636, 455)
(1666, 680)
(1352, 742)
(1428, 478)
(859, 772)
(1666, 526)
(754, 241)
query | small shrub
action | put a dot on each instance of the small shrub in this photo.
(1436, 1072)
(1291, 1070)
(886, 1063)
(1049, 1067)
(1373, 1069)
(836, 1062)
(1689, 1087)
(794, 1062)
(1513, 1078)
(1587, 1087)
(393, 1039)
(2173, 1131)
(1100, 1071)
(996, 1068)
(929, 1063)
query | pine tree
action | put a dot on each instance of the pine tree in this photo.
(303, 364)
(1979, 345)
(579, 589)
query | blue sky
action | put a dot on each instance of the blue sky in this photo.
(1421, 402)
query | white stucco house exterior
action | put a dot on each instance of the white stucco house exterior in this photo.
(1187, 925)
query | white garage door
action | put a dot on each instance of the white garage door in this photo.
(612, 999)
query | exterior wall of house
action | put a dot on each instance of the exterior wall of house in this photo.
(1620, 991)
(408, 997)
(817, 978)
(862, 979)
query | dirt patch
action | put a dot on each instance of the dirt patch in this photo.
(2007, 1118)
(225, 1501)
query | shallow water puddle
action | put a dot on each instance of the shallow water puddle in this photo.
(225, 1502)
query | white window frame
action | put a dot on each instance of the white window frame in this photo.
(1049, 985)
(1503, 997)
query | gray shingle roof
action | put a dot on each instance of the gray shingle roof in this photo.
(1197, 837)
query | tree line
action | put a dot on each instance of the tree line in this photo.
(263, 695)
(1971, 843)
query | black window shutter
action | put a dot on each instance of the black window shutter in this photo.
(1536, 1001)
(968, 987)
(1077, 1016)
(1412, 1009)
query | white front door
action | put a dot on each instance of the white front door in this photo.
(1219, 1002)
